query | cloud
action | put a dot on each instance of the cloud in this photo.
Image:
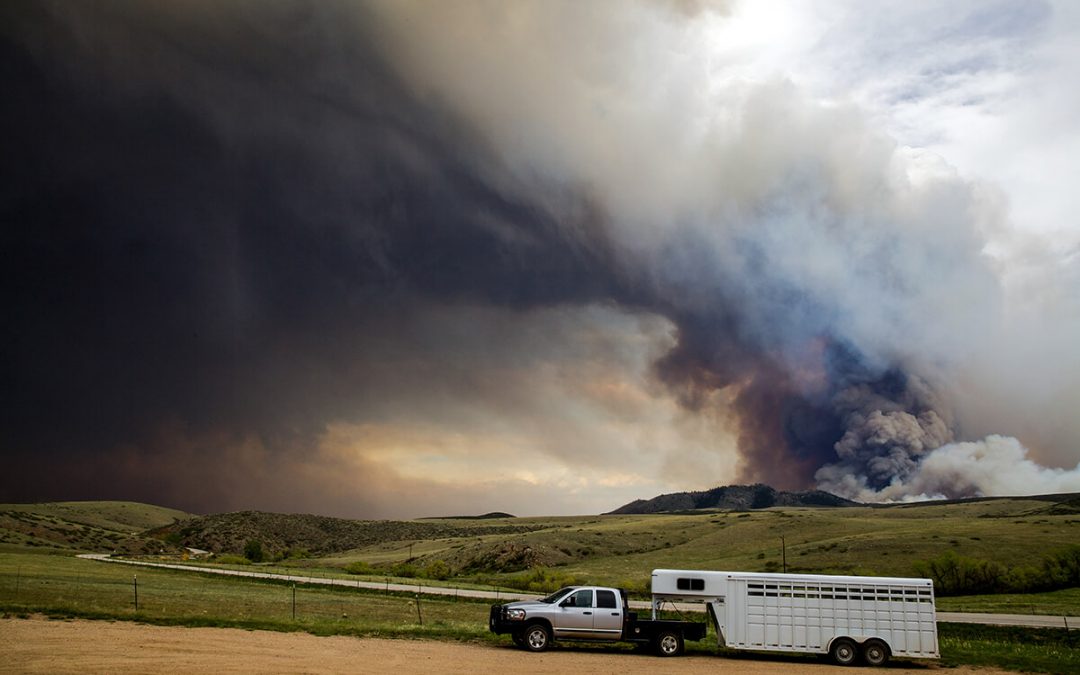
(357, 243)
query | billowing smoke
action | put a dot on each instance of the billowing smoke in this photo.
(245, 196)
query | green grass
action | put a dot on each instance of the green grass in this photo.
(132, 517)
(1029, 650)
(1054, 603)
(62, 586)
(622, 550)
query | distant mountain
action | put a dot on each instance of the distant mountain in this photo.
(484, 516)
(732, 497)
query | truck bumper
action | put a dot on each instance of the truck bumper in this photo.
(499, 624)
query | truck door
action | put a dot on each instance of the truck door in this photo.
(607, 616)
(576, 615)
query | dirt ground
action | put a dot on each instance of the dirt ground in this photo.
(38, 645)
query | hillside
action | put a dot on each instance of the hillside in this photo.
(732, 498)
(86, 526)
(282, 534)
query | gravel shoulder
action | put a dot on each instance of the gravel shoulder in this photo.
(39, 645)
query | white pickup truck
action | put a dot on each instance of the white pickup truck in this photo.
(592, 613)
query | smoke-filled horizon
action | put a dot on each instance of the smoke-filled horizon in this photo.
(419, 258)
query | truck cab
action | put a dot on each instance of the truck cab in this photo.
(594, 613)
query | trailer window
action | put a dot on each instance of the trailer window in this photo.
(605, 599)
(684, 584)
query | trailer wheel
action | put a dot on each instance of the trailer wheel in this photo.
(875, 652)
(669, 643)
(537, 637)
(843, 652)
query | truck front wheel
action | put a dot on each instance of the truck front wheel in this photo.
(843, 652)
(537, 637)
(669, 643)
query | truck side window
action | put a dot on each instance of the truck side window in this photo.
(605, 599)
(579, 599)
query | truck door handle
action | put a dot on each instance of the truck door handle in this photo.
(614, 614)
(586, 612)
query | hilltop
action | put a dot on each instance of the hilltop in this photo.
(732, 498)
(285, 534)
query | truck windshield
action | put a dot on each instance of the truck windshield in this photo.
(557, 594)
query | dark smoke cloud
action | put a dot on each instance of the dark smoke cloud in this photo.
(218, 219)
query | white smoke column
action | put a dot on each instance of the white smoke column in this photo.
(997, 465)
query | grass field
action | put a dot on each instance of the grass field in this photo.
(622, 550)
(63, 586)
(60, 584)
(38, 573)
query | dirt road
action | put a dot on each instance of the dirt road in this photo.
(39, 645)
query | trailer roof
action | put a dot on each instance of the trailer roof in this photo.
(805, 578)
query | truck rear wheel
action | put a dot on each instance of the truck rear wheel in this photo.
(875, 652)
(843, 652)
(669, 643)
(537, 637)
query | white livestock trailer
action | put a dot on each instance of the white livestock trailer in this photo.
(847, 617)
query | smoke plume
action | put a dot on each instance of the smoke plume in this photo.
(242, 214)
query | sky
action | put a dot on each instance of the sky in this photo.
(393, 259)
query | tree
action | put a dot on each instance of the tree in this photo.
(253, 550)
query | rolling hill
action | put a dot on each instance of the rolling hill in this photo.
(86, 526)
(733, 498)
(283, 534)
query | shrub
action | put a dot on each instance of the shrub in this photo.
(253, 550)
(954, 574)
(541, 579)
(360, 567)
(437, 569)
(1062, 568)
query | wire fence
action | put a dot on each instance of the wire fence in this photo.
(105, 590)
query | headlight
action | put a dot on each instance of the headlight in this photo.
(515, 614)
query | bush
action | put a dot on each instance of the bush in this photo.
(407, 570)
(541, 579)
(1063, 567)
(437, 569)
(230, 559)
(253, 550)
(360, 567)
(954, 574)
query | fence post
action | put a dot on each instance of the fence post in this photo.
(294, 601)
(135, 583)
(418, 614)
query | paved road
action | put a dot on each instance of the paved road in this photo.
(1034, 620)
